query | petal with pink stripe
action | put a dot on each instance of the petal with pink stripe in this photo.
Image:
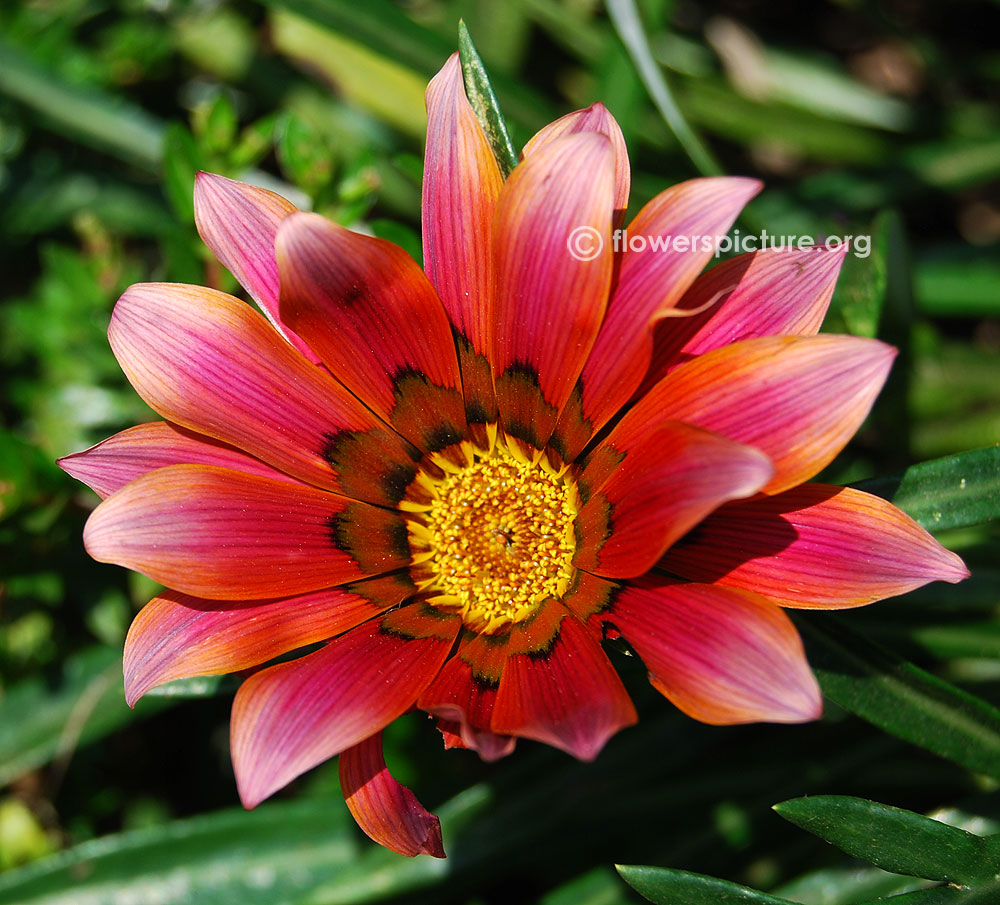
(799, 399)
(239, 223)
(552, 293)
(211, 532)
(678, 231)
(208, 362)
(114, 462)
(720, 655)
(176, 636)
(387, 811)
(595, 118)
(461, 186)
(815, 546)
(290, 717)
(369, 312)
(779, 291)
(662, 486)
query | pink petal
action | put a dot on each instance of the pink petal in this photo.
(550, 303)
(369, 312)
(720, 655)
(568, 696)
(208, 362)
(815, 546)
(595, 118)
(780, 291)
(662, 486)
(239, 223)
(114, 462)
(290, 717)
(176, 635)
(221, 534)
(388, 812)
(799, 399)
(650, 282)
(461, 186)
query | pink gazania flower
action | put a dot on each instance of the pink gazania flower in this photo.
(458, 482)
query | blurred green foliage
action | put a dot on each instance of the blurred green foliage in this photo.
(863, 119)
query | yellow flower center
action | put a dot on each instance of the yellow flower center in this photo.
(496, 537)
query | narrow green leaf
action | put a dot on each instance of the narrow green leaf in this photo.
(664, 886)
(274, 854)
(893, 839)
(625, 18)
(484, 102)
(196, 687)
(900, 698)
(954, 492)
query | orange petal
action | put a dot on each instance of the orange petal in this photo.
(799, 399)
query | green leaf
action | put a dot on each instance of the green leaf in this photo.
(895, 840)
(196, 687)
(625, 18)
(270, 856)
(481, 96)
(901, 698)
(42, 723)
(954, 492)
(678, 887)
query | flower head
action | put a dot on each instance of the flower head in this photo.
(458, 481)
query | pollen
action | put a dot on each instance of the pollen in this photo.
(495, 538)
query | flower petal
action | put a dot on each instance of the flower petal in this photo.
(369, 312)
(176, 636)
(776, 292)
(550, 301)
(208, 362)
(462, 183)
(814, 546)
(799, 399)
(692, 216)
(239, 222)
(662, 486)
(111, 464)
(720, 655)
(290, 717)
(595, 118)
(387, 811)
(458, 696)
(567, 695)
(221, 534)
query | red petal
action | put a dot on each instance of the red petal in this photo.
(777, 292)
(387, 811)
(720, 655)
(290, 717)
(216, 533)
(176, 635)
(814, 546)
(666, 483)
(799, 399)
(239, 223)
(568, 695)
(114, 462)
(369, 312)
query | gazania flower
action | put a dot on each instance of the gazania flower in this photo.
(458, 482)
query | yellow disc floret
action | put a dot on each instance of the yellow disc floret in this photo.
(496, 538)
